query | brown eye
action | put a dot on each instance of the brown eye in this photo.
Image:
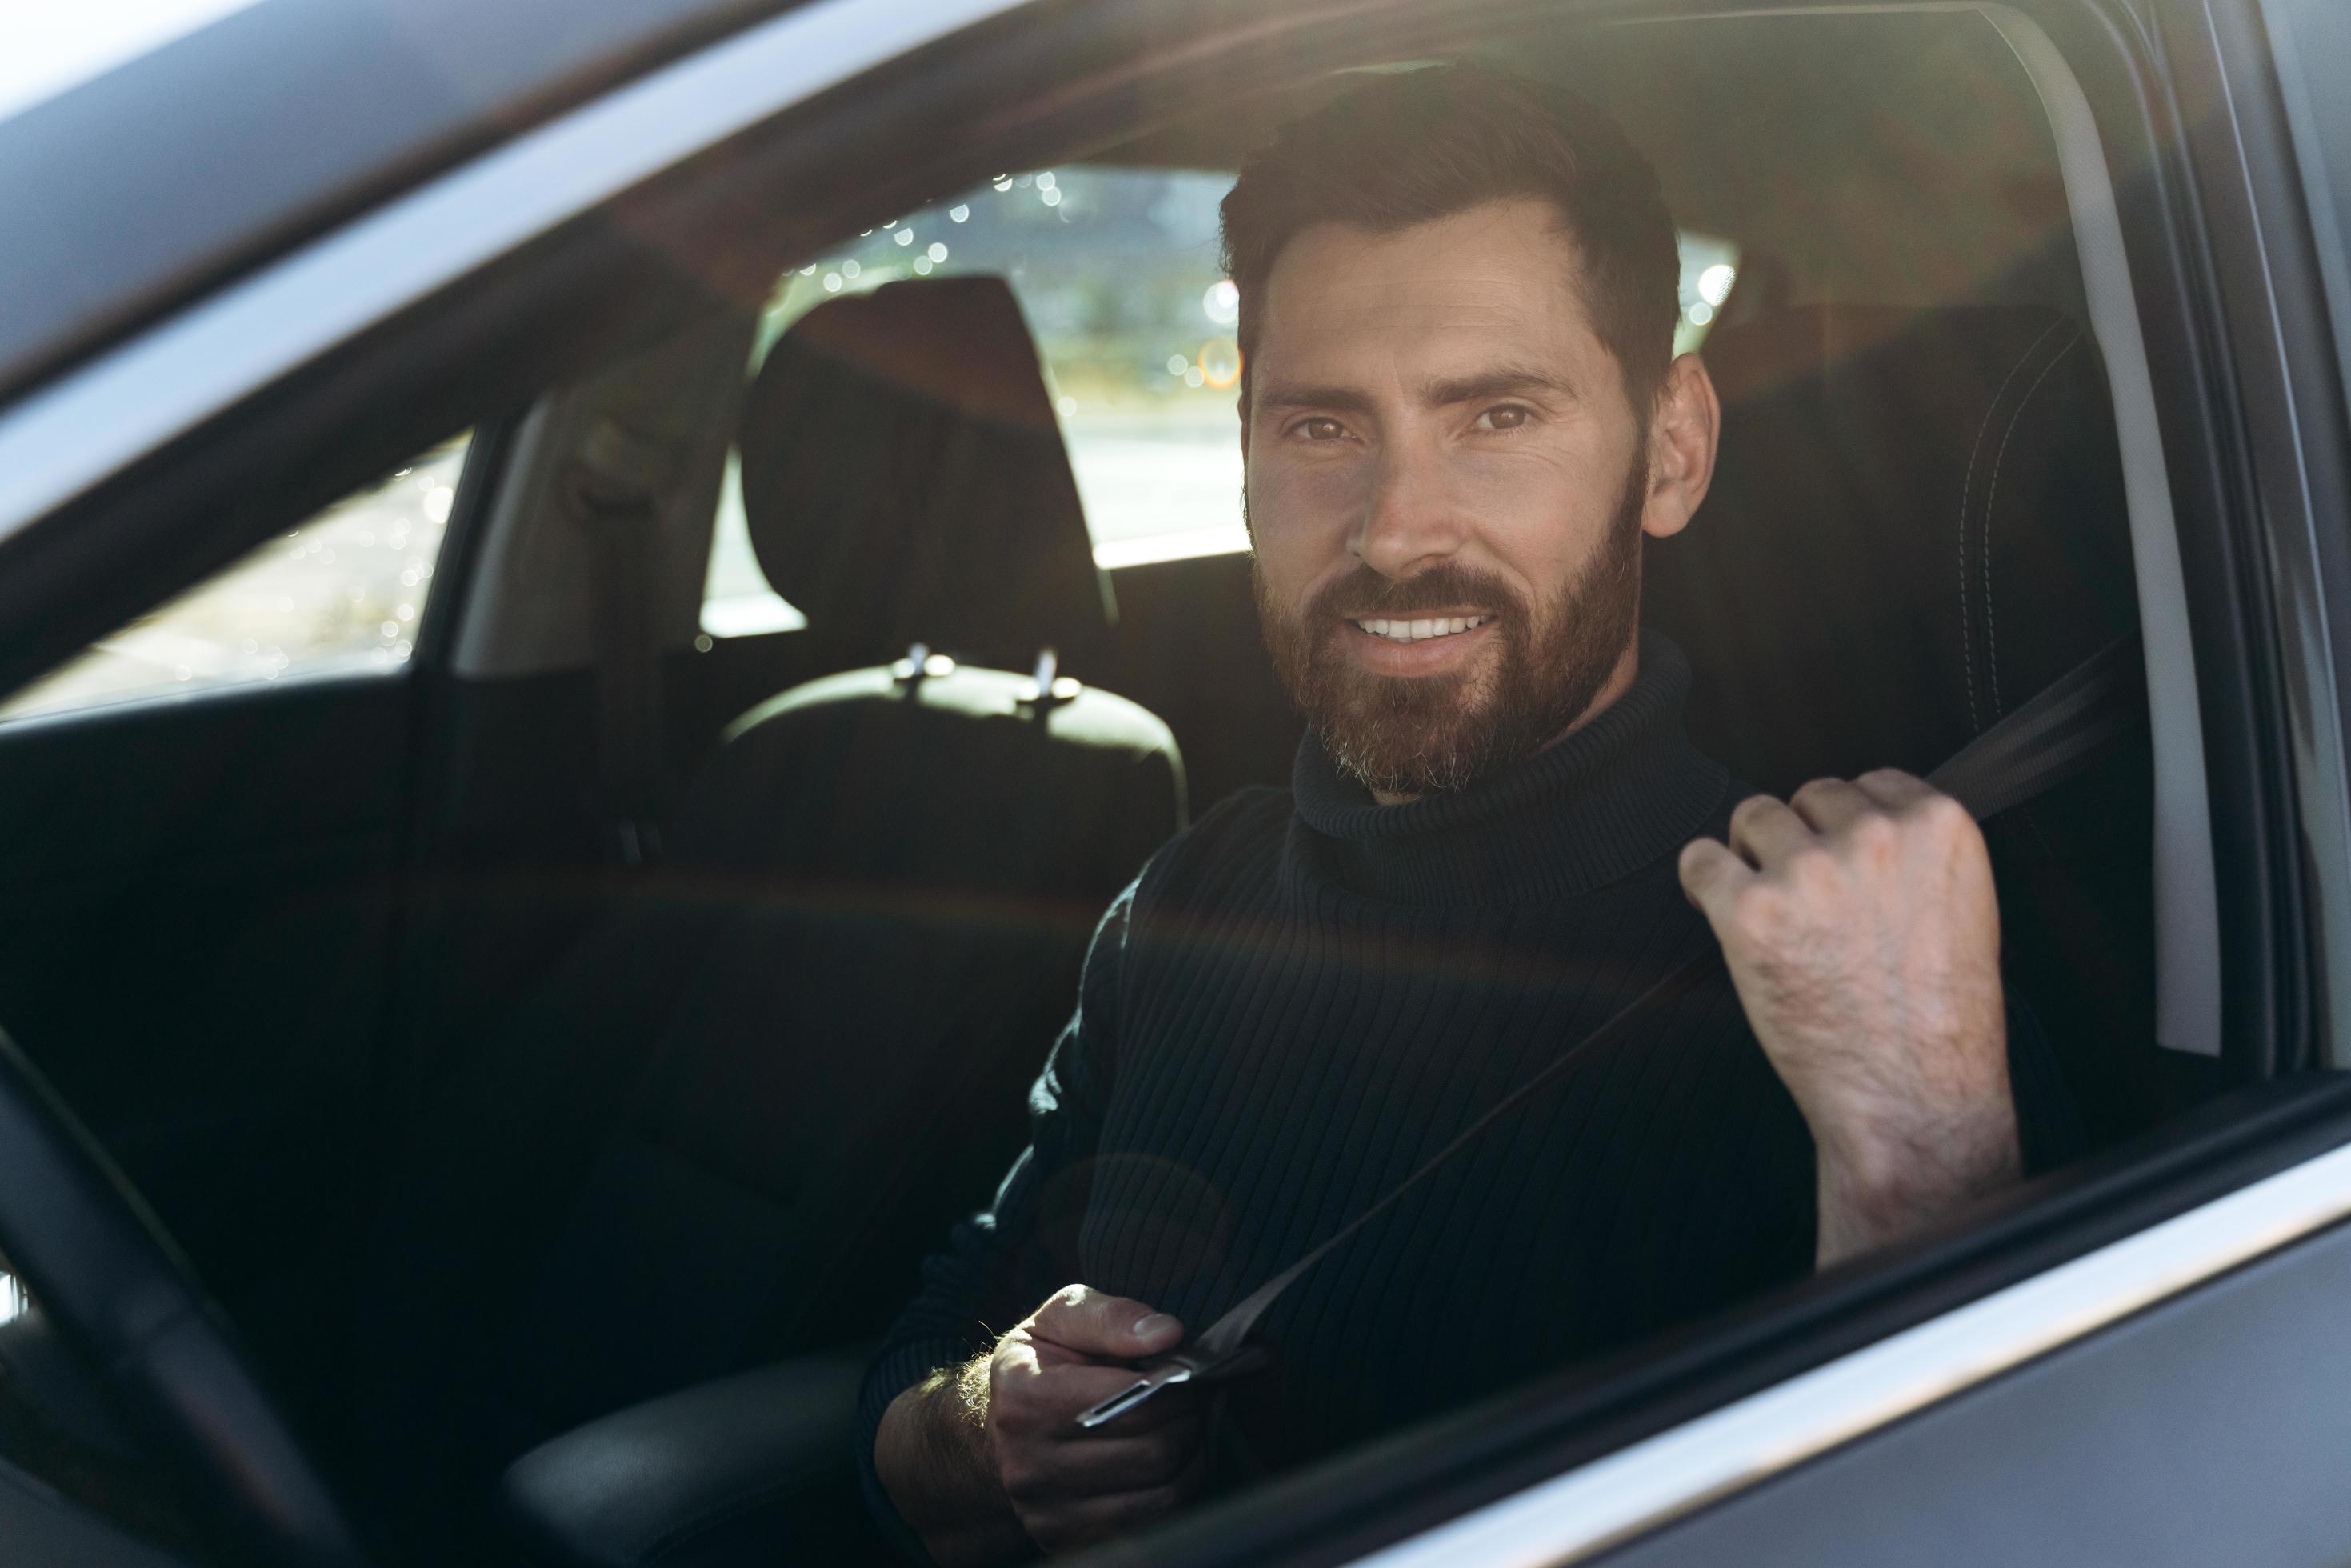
(1510, 416)
(1322, 429)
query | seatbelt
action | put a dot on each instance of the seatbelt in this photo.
(612, 488)
(2031, 750)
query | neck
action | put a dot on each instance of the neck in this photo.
(1620, 681)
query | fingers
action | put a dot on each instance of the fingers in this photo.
(1763, 830)
(1048, 1400)
(1094, 1466)
(1828, 806)
(1078, 1523)
(1894, 791)
(1075, 1351)
(1712, 875)
(1765, 834)
(1111, 1328)
(1046, 1389)
(1168, 1407)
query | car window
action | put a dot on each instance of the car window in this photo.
(1117, 271)
(340, 594)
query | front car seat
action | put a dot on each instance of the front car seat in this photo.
(727, 1126)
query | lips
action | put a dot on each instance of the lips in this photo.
(1418, 629)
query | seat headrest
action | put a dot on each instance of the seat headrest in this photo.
(1916, 522)
(904, 481)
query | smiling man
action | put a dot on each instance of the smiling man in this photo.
(1461, 416)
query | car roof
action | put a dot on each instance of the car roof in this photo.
(135, 190)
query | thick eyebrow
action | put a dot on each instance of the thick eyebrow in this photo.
(1344, 400)
(1495, 384)
(1502, 383)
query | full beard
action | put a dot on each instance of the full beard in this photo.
(1414, 736)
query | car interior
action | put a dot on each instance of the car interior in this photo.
(556, 1038)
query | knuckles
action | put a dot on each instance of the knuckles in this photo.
(1876, 840)
(1761, 915)
(1811, 790)
(1149, 1503)
(1946, 821)
(1815, 873)
(1016, 1472)
(1068, 1298)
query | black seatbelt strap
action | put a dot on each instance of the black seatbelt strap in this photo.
(2033, 750)
(613, 489)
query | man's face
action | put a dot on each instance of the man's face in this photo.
(1447, 487)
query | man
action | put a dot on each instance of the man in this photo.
(1461, 416)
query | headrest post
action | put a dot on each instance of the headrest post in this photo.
(1049, 688)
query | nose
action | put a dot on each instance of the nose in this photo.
(1409, 520)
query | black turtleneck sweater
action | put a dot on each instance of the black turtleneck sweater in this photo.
(1307, 994)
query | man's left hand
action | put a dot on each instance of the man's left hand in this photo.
(1863, 937)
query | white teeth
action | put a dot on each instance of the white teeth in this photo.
(1415, 631)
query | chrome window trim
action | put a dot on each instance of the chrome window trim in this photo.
(67, 438)
(1585, 1511)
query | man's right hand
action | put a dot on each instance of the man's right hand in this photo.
(965, 1455)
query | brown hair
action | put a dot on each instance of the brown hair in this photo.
(1423, 144)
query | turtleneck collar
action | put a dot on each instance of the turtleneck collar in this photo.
(1618, 794)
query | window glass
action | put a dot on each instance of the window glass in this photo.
(735, 599)
(340, 594)
(1709, 267)
(1116, 270)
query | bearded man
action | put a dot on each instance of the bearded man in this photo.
(1461, 414)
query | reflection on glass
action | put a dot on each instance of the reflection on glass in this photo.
(1116, 270)
(1709, 267)
(341, 594)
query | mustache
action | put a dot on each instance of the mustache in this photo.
(1364, 592)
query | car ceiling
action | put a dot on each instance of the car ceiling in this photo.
(1888, 158)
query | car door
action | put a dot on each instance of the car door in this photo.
(2030, 1343)
(197, 942)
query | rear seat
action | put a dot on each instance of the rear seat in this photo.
(1916, 522)
(730, 1123)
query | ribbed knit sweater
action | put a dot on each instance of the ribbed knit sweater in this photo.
(1307, 994)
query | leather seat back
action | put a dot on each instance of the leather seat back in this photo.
(1916, 522)
(729, 1126)
(903, 480)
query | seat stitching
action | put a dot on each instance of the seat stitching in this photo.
(1967, 487)
(1992, 502)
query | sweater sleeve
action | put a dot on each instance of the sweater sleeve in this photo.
(1000, 1264)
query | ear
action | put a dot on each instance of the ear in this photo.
(1684, 427)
